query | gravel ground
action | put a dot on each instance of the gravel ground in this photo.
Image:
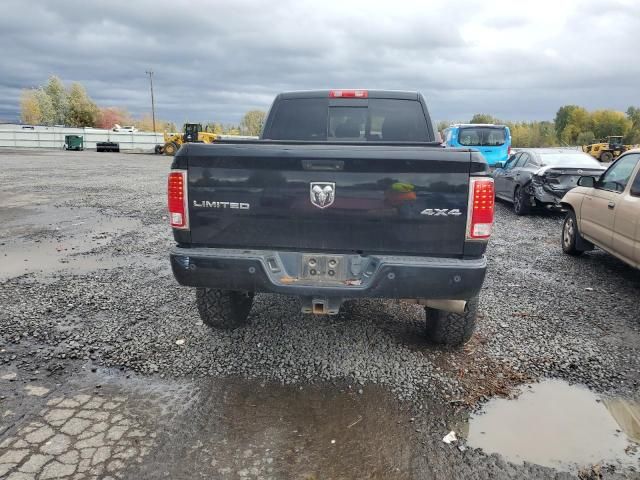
(543, 314)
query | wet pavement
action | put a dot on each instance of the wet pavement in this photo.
(108, 425)
(559, 425)
(48, 239)
(76, 430)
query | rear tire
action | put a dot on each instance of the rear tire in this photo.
(606, 157)
(570, 235)
(521, 202)
(449, 328)
(223, 309)
(170, 149)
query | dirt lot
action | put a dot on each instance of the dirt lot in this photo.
(107, 372)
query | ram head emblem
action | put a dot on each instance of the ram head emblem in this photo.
(322, 194)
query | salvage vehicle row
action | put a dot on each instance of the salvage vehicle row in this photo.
(348, 194)
(541, 177)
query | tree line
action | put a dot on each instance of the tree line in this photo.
(572, 125)
(56, 104)
(251, 124)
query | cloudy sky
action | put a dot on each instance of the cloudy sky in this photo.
(214, 60)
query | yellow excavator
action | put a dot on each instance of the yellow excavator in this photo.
(192, 133)
(607, 151)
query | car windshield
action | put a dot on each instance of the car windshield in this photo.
(569, 160)
(482, 136)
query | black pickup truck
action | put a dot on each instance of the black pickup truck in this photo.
(345, 195)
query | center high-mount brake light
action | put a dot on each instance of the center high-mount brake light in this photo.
(348, 94)
(177, 199)
(481, 208)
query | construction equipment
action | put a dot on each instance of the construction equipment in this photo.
(607, 151)
(192, 133)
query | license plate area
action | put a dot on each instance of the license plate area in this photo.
(323, 268)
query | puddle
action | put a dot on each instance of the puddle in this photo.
(276, 431)
(561, 426)
(51, 239)
(60, 220)
(21, 263)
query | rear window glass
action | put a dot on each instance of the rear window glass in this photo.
(396, 121)
(300, 119)
(347, 123)
(312, 119)
(482, 136)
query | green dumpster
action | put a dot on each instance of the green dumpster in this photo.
(73, 142)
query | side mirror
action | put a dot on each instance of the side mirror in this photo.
(499, 165)
(589, 182)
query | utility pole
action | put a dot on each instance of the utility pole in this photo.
(153, 106)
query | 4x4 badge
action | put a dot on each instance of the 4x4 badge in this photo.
(322, 194)
(441, 212)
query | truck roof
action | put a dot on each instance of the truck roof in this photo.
(398, 94)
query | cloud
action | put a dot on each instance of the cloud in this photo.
(214, 60)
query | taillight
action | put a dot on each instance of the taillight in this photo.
(481, 208)
(508, 151)
(348, 94)
(177, 199)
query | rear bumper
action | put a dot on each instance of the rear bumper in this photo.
(548, 196)
(379, 276)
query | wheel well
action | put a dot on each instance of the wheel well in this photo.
(581, 243)
(526, 187)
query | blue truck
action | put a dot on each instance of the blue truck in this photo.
(492, 141)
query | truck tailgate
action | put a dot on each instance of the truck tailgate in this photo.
(337, 198)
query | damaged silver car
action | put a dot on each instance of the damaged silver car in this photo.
(540, 177)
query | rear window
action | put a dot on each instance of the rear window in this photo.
(312, 119)
(396, 121)
(348, 123)
(482, 136)
(300, 119)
